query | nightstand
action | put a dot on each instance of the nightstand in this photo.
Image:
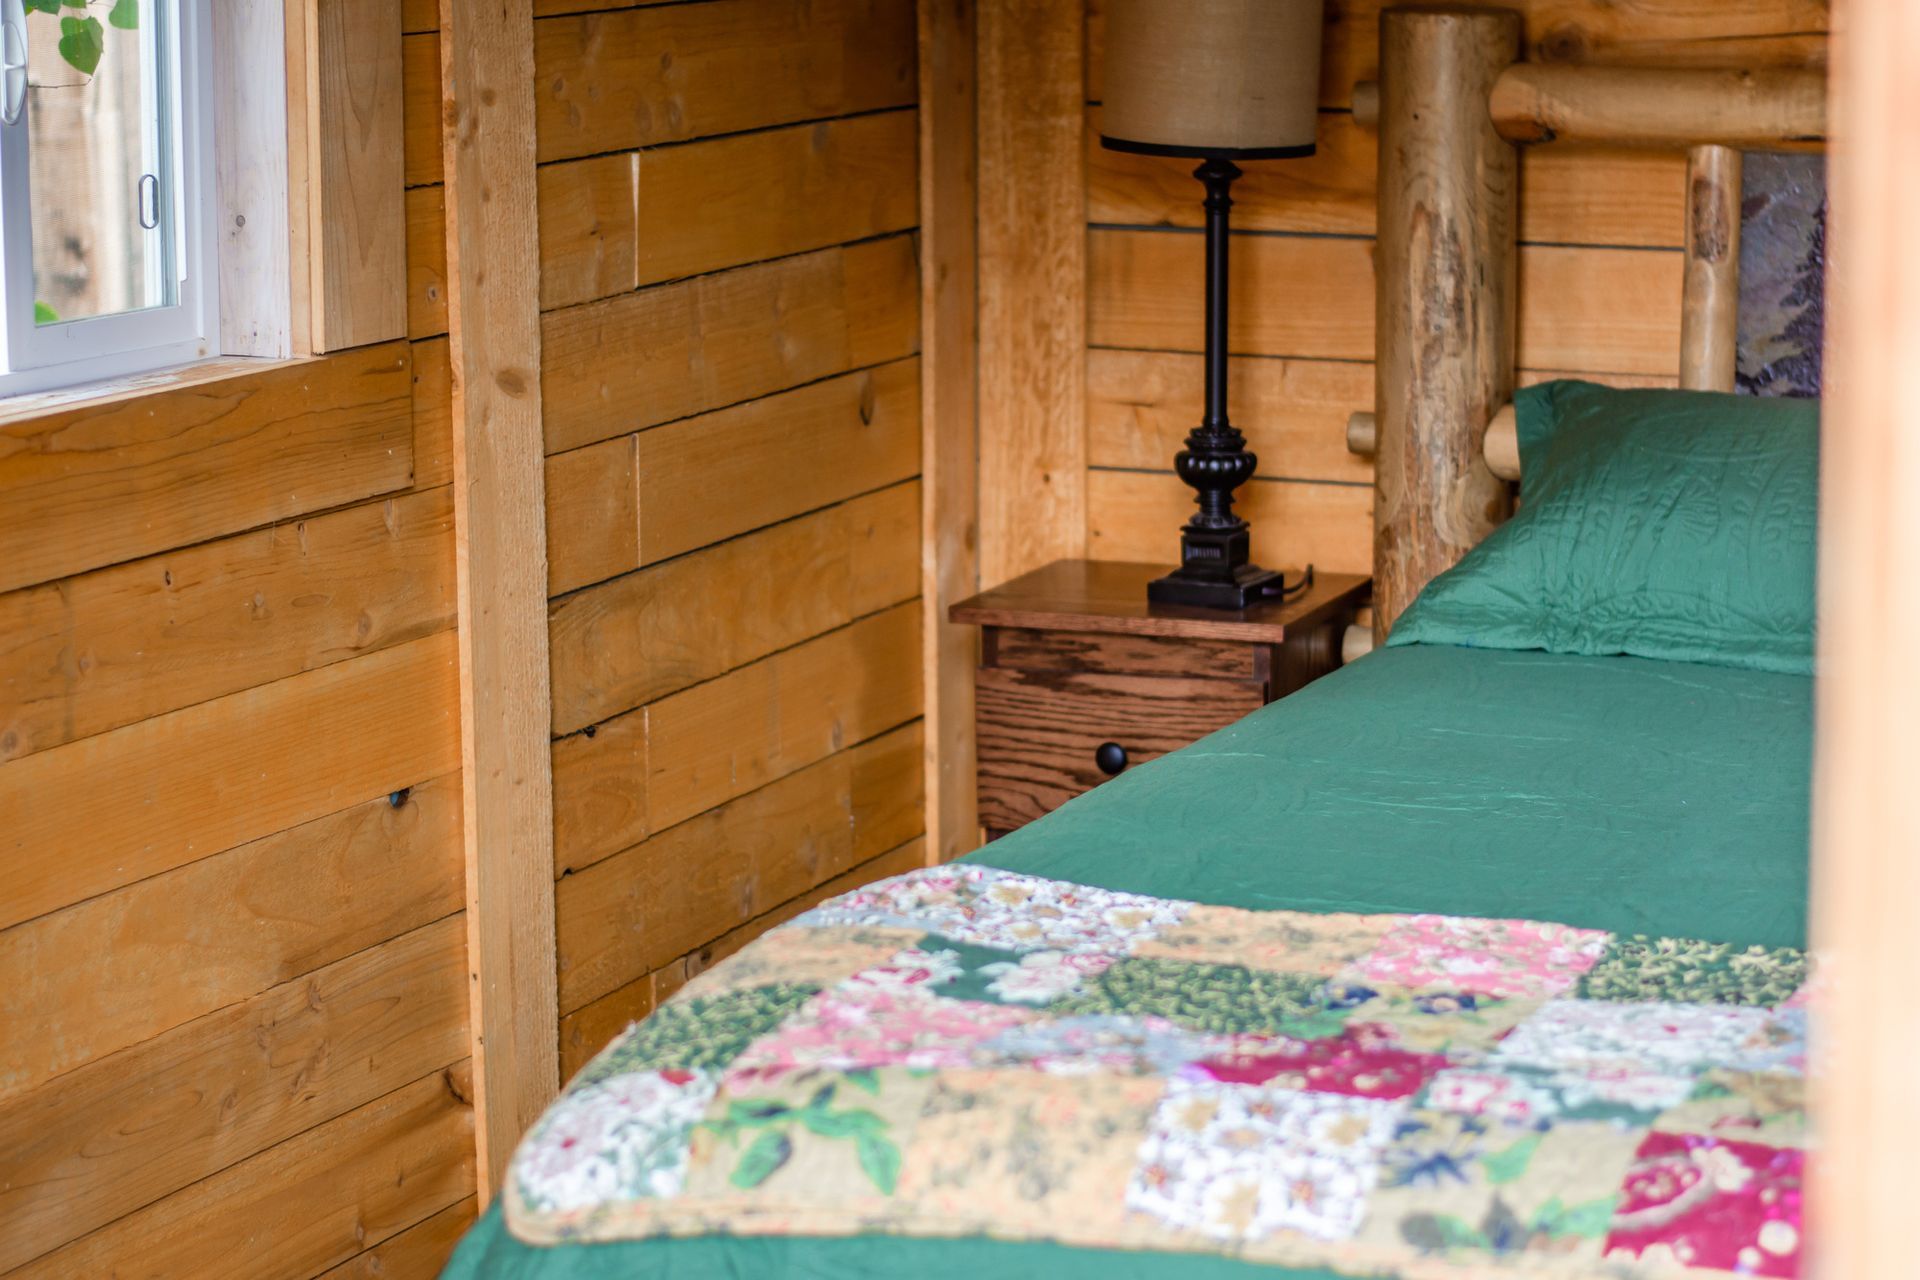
(1080, 679)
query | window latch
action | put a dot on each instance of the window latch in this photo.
(13, 65)
(149, 201)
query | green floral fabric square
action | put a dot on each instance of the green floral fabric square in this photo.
(1222, 999)
(699, 1033)
(1641, 968)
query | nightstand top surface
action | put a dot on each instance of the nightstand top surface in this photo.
(1111, 596)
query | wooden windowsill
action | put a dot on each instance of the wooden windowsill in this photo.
(38, 404)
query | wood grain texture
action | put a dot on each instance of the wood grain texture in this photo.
(418, 1253)
(105, 649)
(422, 163)
(1038, 730)
(727, 201)
(1761, 108)
(949, 411)
(679, 349)
(426, 261)
(630, 914)
(117, 479)
(1710, 299)
(356, 173)
(1137, 516)
(493, 274)
(640, 637)
(114, 970)
(1141, 404)
(301, 1206)
(250, 175)
(600, 801)
(1599, 310)
(593, 514)
(1866, 828)
(589, 229)
(1110, 598)
(208, 777)
(1122, 655)
(126, 1131)
(432, 415)
(1446, 293)
(777, 457)
(721, 739)
(1672, 33)
(638, 77)
(1578, 195)
(1033, 284)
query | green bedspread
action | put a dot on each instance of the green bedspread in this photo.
(1613, 793)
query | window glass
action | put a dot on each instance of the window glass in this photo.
(102, 183)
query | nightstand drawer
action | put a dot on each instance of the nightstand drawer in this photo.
(1040, 731)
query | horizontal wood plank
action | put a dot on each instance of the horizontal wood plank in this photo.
(117, 645)
(593, 514)
(910, 856)
(1141, 404)
(118, 479)
(302, 1206)
(589, 229)
(124, 1132)
(1694, 33)
(1137, 516)
(727, 201)
(777, 457)
(648, 634)
(632, 913)
(638, 77)
(112, 971)
(102, 812)
(721, 739)
(1568, 195)
(418, 1253)
(1594, 309)
(678, 349)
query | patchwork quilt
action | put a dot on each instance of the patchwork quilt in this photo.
(965, 1050)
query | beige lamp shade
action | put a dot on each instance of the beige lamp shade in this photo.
(1233, 78)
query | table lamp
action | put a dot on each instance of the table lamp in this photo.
(1220, 81)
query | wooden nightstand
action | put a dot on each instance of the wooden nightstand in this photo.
(1080, 679)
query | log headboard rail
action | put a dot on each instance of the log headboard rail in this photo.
(1453, 105)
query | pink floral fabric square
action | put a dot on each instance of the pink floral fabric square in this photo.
(871, 1022)
(1502, 959)
(1695, 1201)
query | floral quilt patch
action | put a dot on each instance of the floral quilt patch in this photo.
(968, 1051)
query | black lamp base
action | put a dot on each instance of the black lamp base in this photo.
(1248, 586)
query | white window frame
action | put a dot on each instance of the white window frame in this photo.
(36, 357)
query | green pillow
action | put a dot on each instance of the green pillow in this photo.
(1664, 524)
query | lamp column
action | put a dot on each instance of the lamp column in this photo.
(1214, 545)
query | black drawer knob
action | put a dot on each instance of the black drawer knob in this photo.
(1111, 757)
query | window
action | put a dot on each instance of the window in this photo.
(106, 189)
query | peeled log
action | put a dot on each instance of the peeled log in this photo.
(1445, 294)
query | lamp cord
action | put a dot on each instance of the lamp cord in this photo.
(1282, 590)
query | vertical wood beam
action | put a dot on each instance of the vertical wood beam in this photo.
(1710, 299)
(949, 484)
(1033, 285)
(1445, 268)
(493, 256)
(355, 172)
(1866, 827)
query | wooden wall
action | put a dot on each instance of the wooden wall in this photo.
(1600, 276)
(730, 328)
(233, 994)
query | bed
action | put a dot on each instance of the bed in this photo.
(1484, 953)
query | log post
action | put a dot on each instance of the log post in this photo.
(1444, 303)
(1710, 307)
